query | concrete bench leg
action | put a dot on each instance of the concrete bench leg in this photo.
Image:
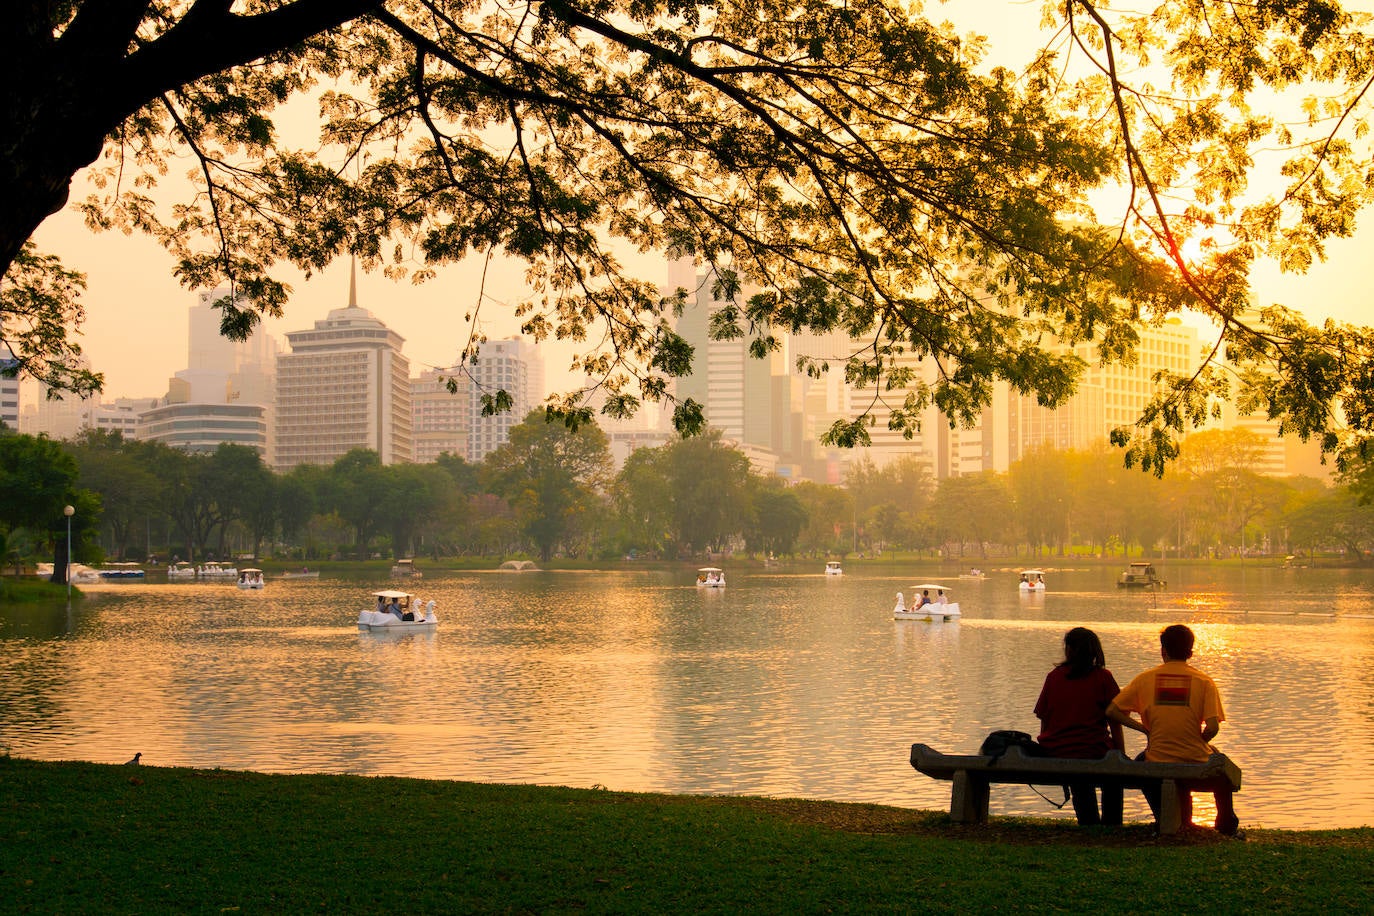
(968, 799)
(1170, 815)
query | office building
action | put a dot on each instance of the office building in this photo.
(509, 365)
(441, 418)
(201, 428)
(345, 384)
(9, 388)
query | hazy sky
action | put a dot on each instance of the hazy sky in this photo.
(136, 313)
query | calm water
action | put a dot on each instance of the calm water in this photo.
(787, 683)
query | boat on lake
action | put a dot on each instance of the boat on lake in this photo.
(405, 569)
(1140, 574)
(251, 577)
(181, 570)
(833, 568)
(121, 571)
(710, 577)
(213, 570)
(422, 617)
(973, 574)
(930, 602)
(1032, 580)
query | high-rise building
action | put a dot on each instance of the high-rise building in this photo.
(9, 388)
(441, 418)
(345, 384)
(502, 365)
(756, 403)
(830, 398)
(1279, 457)
(219, 372)
(67, 415)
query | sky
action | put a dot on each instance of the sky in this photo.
(136, 312)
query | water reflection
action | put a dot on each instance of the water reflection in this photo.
(783, 684)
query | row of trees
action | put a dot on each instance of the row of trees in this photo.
(552, 491)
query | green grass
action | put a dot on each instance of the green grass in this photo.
(88, 838)
(31, 591)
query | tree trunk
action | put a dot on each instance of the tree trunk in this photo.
(66, 93)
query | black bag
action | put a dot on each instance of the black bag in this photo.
(999, 742)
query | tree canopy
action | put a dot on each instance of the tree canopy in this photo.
(842, 167)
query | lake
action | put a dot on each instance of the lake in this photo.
(786, 683)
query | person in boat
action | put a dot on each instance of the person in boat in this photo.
(394, 608)
(1180, 712)
(942, 598)
(1039, 579)
(1024, 580)
(923, 600)
(1072, 710)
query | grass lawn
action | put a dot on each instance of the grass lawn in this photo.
(99, 839)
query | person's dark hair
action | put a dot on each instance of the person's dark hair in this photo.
(1082, 652)
(1177, 642)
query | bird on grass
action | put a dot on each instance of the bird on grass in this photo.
(134, 762)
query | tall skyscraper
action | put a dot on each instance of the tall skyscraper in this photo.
(508, 365)
(1108, 395)
(344, 385)
(9, 388)
(755, 403)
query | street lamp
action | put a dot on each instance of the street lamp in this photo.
(69, 512)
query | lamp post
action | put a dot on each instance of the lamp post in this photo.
(69, 512)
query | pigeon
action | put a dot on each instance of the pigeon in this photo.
(134, 762)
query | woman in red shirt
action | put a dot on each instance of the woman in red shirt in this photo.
(1073, 720)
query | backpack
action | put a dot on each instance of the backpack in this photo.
(999, 742)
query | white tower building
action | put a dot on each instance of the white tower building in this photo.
(345, 384)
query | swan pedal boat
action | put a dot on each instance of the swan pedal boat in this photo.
(710, 577)
(251, 577)
(382, 621)
(933, 612)
(1032, 580)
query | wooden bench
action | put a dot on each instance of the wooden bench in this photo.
(974, 774)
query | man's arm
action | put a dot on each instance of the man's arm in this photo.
(1210, 727)
(1117, 714)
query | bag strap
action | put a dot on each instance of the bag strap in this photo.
(1057, 805)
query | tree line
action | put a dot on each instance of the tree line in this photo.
(552, 492)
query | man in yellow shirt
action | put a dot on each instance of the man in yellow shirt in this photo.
(1180, 712)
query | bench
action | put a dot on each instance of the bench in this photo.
(974, 774)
